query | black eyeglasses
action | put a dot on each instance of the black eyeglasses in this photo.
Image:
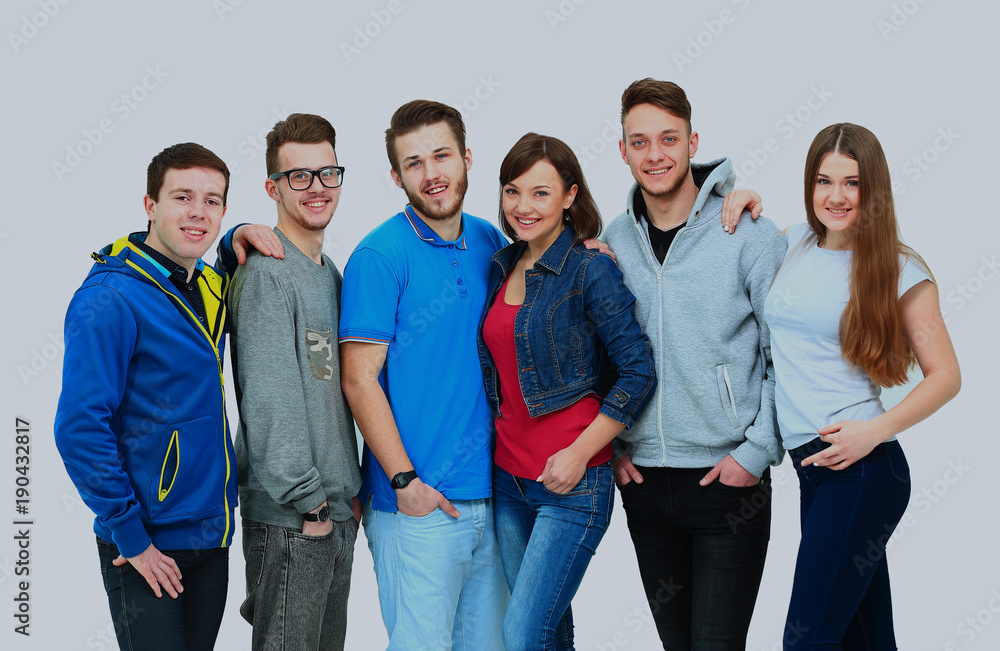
(330, 177)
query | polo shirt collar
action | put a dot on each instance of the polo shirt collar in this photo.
(427, 234)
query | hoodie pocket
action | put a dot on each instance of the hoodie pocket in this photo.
(726, 394)
(190, 475)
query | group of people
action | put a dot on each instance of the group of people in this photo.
(503, 387)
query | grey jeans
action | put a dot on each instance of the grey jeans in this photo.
(297, 586)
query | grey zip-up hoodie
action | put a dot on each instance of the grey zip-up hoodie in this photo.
(703, 310)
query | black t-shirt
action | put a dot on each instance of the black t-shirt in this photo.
(660, 240)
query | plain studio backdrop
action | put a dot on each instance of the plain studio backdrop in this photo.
(94, 90)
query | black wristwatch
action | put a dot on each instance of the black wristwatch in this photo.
(319, 516)
(403, 479)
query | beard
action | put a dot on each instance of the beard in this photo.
(680, 176)
(430, 210)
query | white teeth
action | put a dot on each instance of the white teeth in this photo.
(436, 190)
(316, 204)
(656, 172)
(526, 222)
(193, 232)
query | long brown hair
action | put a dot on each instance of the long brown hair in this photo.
(871, 327)
(582, 215)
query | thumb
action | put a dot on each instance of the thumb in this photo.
(712, 475)
(448, 507)
(118, 562)
(240, 251)
(755, 210)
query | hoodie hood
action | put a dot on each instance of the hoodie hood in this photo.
(713, 178)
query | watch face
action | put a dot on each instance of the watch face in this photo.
(324, 514)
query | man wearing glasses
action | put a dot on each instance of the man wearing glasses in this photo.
(296, 451)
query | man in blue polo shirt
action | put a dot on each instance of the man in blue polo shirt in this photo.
(414, 291)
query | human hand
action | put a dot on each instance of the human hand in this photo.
(257, 236)
(317, 528)
(602, 247)
(625, 471)
(730, 473)
(563, 471)
(157, 569)
(735, 203)
(419, 499)
(849, 441)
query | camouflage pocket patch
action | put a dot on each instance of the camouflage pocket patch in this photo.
(319, 344)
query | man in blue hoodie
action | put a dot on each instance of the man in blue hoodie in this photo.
(141, 422)
(693, 469)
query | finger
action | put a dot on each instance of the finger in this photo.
(634, 474)
(545, 470)
(240, 251)
(808, 461)
(154, 584)
(118, 562)
(448, 507)
(831, 428)
(755, 210)
(712, 475)
(167, 581)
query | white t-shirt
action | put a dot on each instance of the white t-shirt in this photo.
(815, 385)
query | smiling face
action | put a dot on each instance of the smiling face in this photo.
(433, 171)
(310, 209)
(658, 149)
(534, 202)
(187, 214)
(837, 198)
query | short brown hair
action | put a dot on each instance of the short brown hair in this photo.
(418, 114)
(182, 156)
(304, 128)
(583, 215)
(663, 94)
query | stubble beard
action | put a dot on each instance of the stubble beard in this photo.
(428, 210)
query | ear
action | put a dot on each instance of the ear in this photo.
(570, 197)
(271, 188)
(150, 206)
(468, 159)
(693, 143)
(395, 178)
(623, 150)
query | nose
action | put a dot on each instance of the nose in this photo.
(655, 152)
(836, 194)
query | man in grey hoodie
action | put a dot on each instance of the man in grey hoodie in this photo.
(693, 469)
(296, 451)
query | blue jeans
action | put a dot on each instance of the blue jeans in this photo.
(701, 553)
(297, 586)
(440, 585)
(188, 623)
(546, 543)
(840, 594)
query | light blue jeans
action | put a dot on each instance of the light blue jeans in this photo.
(440, 583)
(546, 543)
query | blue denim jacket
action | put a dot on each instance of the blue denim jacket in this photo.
(574, 334)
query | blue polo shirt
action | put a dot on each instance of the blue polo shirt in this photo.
(423, 297)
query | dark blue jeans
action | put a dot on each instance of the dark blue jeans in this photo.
(840, 595)
(701, 554)
(546, 542)
(188, 623)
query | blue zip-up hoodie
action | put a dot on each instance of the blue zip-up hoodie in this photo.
(141, 423)
(703, 310)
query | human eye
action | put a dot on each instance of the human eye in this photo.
(822, 182)
(213, 202)
(182, 197)
(299, 175)
(542, 193)
(853, 183)
(638, 143)
(511, 192)
(413, 163)
(670, 140)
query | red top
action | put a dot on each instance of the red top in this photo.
(524, 443)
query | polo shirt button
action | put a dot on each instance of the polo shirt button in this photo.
(451, 246)
(454, 263)
(459, 281)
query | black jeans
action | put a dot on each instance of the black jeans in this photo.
(188, 623)
(701, 554)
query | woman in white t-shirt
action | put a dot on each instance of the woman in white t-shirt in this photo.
(850, 311)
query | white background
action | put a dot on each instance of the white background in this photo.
(226, 70)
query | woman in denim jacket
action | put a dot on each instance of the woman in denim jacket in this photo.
(566, 368)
